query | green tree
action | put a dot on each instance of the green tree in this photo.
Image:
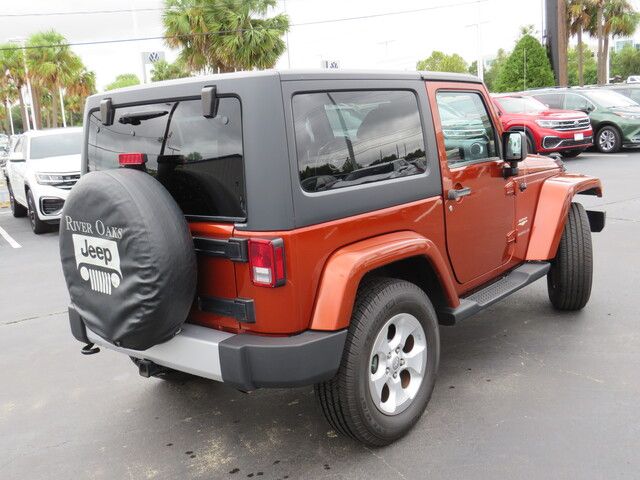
(441, 62)
(579, 17)
(163, 70)
(493, 71)
(473, 68)
(8, 96)
(589, 67)
(51, 66)
(12, 64)
(81, 85)
(613, 18)
(526, 67)
(625, 62)
(225, 35)
(123, 80)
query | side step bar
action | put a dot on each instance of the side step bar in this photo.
(479, 300)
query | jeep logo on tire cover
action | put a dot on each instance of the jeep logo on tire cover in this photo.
(93, 252)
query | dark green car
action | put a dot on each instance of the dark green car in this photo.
(615, 118)
(631, 90)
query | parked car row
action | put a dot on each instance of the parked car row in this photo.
(569, 120)
(42, 167)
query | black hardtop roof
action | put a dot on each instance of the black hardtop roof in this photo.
(191, 85)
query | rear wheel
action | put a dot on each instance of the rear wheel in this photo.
(388, 367)
(608, 139)
(16, 209)
(569, 280)
(37, 225)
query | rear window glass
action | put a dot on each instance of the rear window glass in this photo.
(345, 139)
(199, 160)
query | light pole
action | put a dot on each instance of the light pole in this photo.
(64, 116)
(21, 42)
(8, 105)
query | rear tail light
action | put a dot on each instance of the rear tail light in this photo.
(266, 260)
(132, 159)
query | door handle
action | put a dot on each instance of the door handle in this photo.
(455, 194)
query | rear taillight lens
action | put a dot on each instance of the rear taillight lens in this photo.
(127, 159)
(266, 260)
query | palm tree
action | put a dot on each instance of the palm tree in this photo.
(579, 15)
(8, 95)
(225, 35)
(614, 18)
(12, 64)
(81, 84)
(51, 64)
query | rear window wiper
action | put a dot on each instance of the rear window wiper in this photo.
(134, 118)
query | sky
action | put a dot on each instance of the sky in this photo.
(395, 42)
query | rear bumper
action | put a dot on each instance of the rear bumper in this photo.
(243, 360)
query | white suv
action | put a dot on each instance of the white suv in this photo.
(43, 166)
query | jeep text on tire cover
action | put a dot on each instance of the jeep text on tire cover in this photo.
(338, 218)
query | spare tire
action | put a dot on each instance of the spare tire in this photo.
(127, 257)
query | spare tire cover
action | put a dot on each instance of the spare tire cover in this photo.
(128, 258)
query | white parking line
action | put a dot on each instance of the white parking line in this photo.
(9, 239)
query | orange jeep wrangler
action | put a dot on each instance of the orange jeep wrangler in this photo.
(276, 229)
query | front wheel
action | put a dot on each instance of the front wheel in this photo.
(37, 225)
(571, 274)
(389, 364)
(608, 140)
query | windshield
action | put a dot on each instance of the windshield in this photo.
(609, 99)
(521, 104)
(55, 145)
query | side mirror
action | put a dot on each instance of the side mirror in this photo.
(514, 146)
(17, 158)
(210, 102)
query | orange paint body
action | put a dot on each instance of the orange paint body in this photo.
(469, 242)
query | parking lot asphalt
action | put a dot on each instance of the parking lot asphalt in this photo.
(523, 391)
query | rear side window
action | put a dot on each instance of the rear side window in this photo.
(576, 102)
(353, 138)
(553, 100)
(199, 160)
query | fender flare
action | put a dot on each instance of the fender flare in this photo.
(346, 267)
(553, 205)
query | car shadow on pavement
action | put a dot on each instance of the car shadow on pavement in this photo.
(215, 431)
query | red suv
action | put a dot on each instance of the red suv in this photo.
(548, 130)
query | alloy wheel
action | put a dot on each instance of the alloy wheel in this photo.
(397, 364)
(607, 140)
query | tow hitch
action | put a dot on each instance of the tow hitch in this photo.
(147, 368)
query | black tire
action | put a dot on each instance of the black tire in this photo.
(346, 400)
(569, 280)
(139, 292)
(168, 375)
(570, 153)
(16, 209)
(531, 145)
(37, 225)
(608, 140)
